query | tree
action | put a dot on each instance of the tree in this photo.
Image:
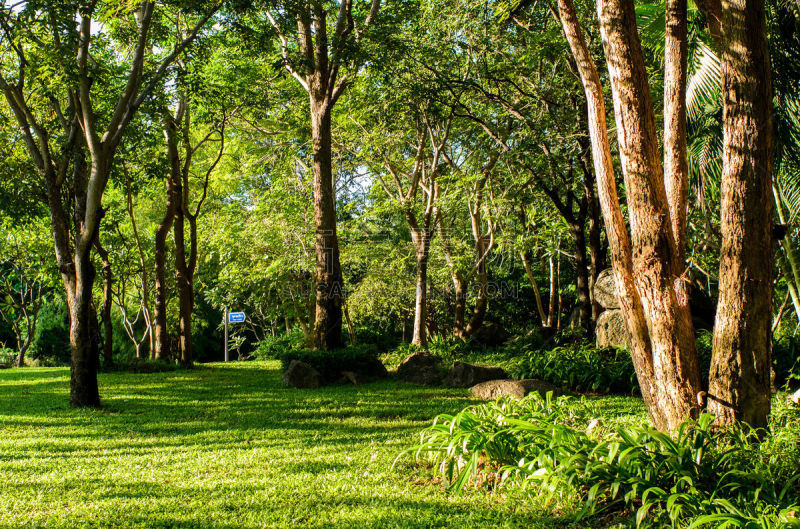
(61, 126)
(24, 280)
(647, 266)
(739, 385)
(315, 61)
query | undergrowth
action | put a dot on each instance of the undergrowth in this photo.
(700, 477)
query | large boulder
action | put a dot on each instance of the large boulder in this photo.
(463, 375)
(302, 375)
(490, 333)
(605, 290)
(611, 330)
(375, 368)
(795, 397)
(493, 389)
(420, 368)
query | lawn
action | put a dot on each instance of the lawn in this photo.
(228, 446)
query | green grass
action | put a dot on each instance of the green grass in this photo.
(227, 446)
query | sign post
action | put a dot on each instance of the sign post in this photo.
(226, 333)
(231, 317)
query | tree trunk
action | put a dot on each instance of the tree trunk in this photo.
(105, 312)
(161, 349)
(657, 265)
(460, 305)
(420, 337)
(328, 319)
(739, 385)
(83, 346)
(662, 344)
(584, 302)
(676, 167)
(554, 288)
(535, 285)
(184, 284)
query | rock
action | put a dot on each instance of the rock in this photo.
(420, 368)
(490, 333)
(302, 375)
(352, 377)
(516, 388)
(375, 368)
(610, 330)
(463, 375)
(605, 290)
(795, 397)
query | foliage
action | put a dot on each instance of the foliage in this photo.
(582, 367)
(7, 356)
(274, 346)
(358, 358)
(50, 345)
(700, 476)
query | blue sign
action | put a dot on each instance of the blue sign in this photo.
(236, 317)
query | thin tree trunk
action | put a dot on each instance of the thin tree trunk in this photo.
(145, 275)
(535, 285)
(184, 284)
(105, 312)
(739, 385)
(420, 337)
(584, 301)
(161, 351)
(553, 301)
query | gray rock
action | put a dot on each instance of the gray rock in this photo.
(611, 330)
(605, 290)
(463, 375)
(302, 375)
(420, 368)
(795, 397)
(515, 388)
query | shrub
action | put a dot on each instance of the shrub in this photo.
(50, 345)
(580, 366)
(701, 477)
(275, 346)
(7, 356)
(361, 359)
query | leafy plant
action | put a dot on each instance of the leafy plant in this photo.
(699, 476)
(579, 366)
(361, 359)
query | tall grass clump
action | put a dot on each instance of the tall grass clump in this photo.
(700, 476)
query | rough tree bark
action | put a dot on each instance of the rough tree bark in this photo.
(662, 347)
(739, 385)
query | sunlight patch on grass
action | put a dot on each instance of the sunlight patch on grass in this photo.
(227, 445)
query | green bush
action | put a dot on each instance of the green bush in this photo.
(275, 346)
(579, 366)
(50, 346)
(361, 359)
(7, 356)
(700, 477)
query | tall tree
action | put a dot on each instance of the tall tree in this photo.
(75, 142)
(647, 266)
(315, 60)
(739, 386)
